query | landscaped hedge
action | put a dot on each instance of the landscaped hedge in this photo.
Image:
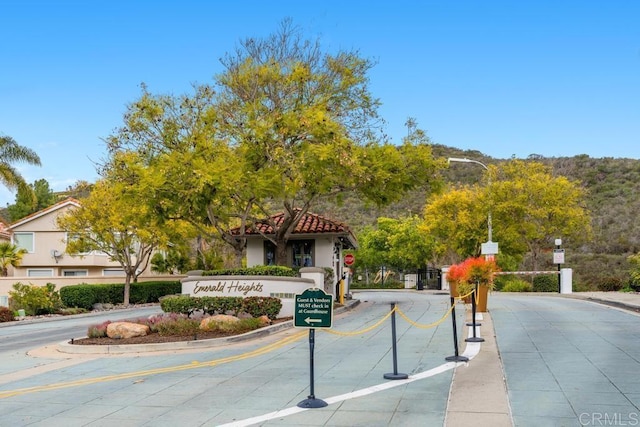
(610, 284)
(254, 306)
(260, 270)
(86, 295)
(545, 283)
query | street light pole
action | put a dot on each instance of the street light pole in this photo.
(465, 160)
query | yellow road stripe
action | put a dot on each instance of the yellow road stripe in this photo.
(257, 352)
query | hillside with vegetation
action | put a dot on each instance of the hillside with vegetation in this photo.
(612, 185)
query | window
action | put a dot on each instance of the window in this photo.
(24, 241)
(74, 273)
(71, 237)
(302, 251)
(113, 272)
(39, 272)
(269, 253)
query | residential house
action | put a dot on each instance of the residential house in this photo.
(46, 259)
(5, 235)
(315, 242)
(45, 247)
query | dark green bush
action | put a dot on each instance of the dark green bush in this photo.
(86, 295)
(221, 305)
(260, 306)
(81, 296)
(610, 284)
(6, 315)
(151, 292)
(182, 304)
(254, 306)
(259, 270)
(545, 283)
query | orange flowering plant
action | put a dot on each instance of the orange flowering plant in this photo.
(471, 271)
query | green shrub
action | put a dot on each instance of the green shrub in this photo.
(516, 286)
(259, 270)
(82, 296)
(610, 284)
(545, 283)
(181, 304)
(35, 299)
(254, 306)
(221, 305)
(241, 326)
(6, 315)
(179, 326)
(151, 292)
(98, 331)
(260, 306)
(86, 295)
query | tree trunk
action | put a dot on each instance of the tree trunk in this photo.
(127, 289)
(238, 256)
(281, 252)
(238, 244)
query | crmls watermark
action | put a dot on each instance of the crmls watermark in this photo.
(609, 419)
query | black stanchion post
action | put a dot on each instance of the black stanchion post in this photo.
(456, 357)
(474, 338)
(311, 401)
(474, 322)
(395, 375)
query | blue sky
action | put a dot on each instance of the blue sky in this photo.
(555, 78)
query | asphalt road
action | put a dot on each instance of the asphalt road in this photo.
(566, 363)
(22, 336)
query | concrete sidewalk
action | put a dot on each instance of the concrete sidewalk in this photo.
(479, 393)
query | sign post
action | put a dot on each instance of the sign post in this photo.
(558, 258)
(313, 309)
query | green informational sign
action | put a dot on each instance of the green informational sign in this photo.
(313, 309)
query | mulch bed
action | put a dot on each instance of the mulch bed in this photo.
(156, 338)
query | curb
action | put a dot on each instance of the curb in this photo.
(612, 303)
(68, 348)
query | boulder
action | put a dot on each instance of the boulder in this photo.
(210, 322)
(119, 330)
(264, 320)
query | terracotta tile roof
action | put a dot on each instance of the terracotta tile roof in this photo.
(4, 232)
(309, 224)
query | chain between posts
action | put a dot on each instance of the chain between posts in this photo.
(362, 331)
(428, 325)
(461, 297)
(404, 316)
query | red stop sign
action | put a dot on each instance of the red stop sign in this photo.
(349, 259)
